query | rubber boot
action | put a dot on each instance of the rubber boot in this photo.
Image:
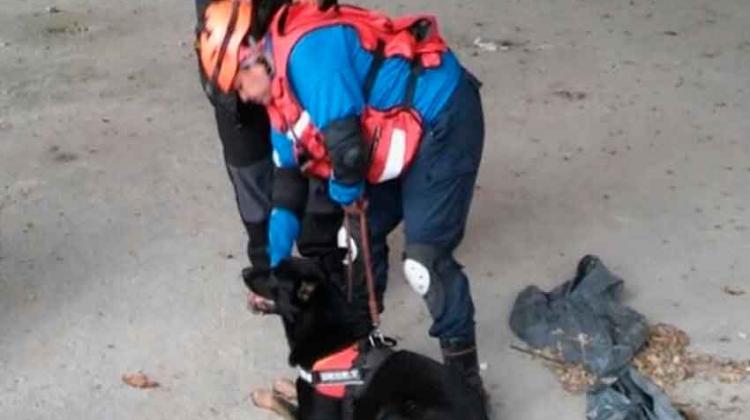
(461, 355)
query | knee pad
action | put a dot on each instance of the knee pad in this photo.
(419, 269)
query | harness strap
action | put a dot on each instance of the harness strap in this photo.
(377, 62)
(411, 82)
(419, 30)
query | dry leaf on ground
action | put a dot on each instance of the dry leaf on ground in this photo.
(139, 380)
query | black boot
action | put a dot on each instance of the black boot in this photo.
(461, 355)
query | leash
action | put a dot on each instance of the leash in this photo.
(359, 210)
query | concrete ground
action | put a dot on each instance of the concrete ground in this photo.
(616, 128)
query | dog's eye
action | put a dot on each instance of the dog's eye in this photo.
(305, 291)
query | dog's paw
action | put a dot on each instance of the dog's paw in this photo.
(267, 399)
(285, 388)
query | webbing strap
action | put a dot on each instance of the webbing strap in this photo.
(377, 62)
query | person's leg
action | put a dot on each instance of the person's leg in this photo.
(384, 214)
(437, 194)
(247, 155)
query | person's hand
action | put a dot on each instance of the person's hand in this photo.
(345, 194)
(259, 297)
(257, 304)
(283, 229)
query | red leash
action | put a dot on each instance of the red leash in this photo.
(359, 209)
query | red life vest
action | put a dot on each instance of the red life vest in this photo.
(392, 136)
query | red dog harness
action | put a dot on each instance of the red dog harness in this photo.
(331, 375)
(334, 375)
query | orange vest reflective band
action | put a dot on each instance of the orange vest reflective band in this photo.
(392, 135)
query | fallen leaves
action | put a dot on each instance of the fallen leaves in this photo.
(727, 371)
(139, 380)
(664, 359)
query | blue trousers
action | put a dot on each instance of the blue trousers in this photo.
(433, 199)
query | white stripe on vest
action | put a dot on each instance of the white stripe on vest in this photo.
(394, 163)
(295, 133)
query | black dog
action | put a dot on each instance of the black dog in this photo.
(346, 372)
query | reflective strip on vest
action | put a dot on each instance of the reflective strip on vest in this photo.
(394, 163)
(299, 127)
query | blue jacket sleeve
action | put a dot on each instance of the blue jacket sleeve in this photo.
(283, 230)
(323, 76)
(288, 197)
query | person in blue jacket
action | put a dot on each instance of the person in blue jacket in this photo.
(328, 72)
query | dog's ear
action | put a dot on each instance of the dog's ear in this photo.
(259, 280)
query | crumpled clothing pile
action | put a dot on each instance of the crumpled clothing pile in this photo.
(583, 321)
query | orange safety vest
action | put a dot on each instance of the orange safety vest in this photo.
(392, 136)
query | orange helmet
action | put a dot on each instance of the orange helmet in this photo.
(225, 25)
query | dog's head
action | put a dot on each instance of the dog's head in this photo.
(312, 296)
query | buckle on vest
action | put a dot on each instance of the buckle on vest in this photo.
(420, 29)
